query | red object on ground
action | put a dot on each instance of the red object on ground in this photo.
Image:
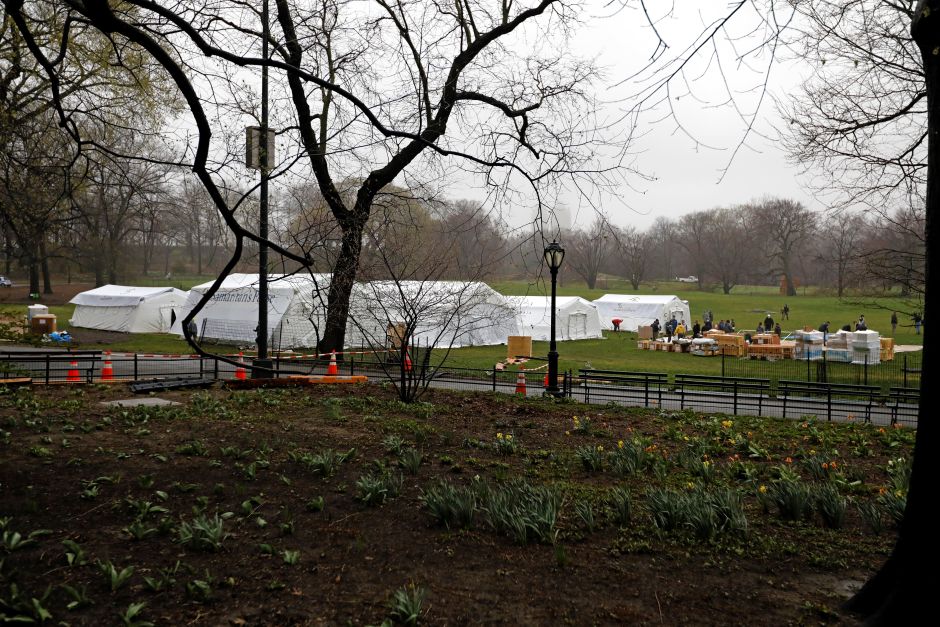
(407, 362)
(72, 375)
(332, 370)
(240, 373)
(520, 384)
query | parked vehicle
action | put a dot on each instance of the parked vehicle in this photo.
(687, 279)
(5, 282)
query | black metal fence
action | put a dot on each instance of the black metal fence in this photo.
(887, 393)
(902, 371)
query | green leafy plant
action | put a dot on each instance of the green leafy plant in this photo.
(406, 603)
(167, 579)
(193, 448)
(585, 511)
(74, 554)
(831, 505)
(203, 533)
(290, 557)
(792, 499)
(591, 457)
(506, 444)
(23, 608)
(139, 530)
(520, 510)
(116, 578)
(131, 616)
(410, 459)
(621, 505)
(79, 597)
(375, 488)
(315, 504)
(393, 444)
(872, 515)
(451, 505)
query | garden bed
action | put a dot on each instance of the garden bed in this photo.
(327, 505)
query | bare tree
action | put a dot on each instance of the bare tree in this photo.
(588, 251)
(786, 226)
(635, 247)
(730, 254)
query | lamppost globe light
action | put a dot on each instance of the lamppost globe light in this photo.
(554, 255)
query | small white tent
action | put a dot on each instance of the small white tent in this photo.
(127, 309)
(442, 313)
(575, 318)
(296, 310)
(637, 311)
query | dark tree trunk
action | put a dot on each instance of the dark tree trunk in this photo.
(33, 275)
(44, 263)
(901, 593)
(344, 274)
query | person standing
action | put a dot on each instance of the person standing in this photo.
(824, 327)
(696, 329)
(655, 328)
(680, 330)
(768, 323)
(786, 311)
(777, 329)
(894, 322)
(917, 322)
(861, 325)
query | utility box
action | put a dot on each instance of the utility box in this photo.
(41, 324)
(519, 346)
(35, 310)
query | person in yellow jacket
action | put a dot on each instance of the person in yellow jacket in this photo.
(680, 329)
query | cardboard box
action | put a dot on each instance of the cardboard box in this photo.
(645, 333)
(519, 346)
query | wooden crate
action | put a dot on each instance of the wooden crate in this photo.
(519, 345)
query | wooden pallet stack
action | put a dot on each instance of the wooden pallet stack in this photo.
(731, 344)
(887, 349)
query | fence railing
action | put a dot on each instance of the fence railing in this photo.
(902, 371)
(891, 390)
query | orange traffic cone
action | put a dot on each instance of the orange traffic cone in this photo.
(107, 372)
(545, 381)
(73, 373)
(332, 370)
(407, 362)
(520, 383)
(240, 373)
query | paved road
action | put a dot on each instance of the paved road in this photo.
(54, 365)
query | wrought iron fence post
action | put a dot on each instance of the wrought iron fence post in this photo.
(352, 365)
(47, 368)
(866, 368)
(722, 363)
(494, 378)
(135, 366)
(735, 390)
(905, 370)
(215, 368)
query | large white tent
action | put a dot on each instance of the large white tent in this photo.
(127, 309)
(575, 318)
(296, 310)
(441, 313)
(637, 311)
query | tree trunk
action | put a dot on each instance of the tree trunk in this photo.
(344, 274)
(902, 591)
(726, 287)
(33, 275)
(44, 263)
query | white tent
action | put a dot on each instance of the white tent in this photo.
(575, 318)
(296, 310)
(127, 309)
(637, 311)
(442, 313)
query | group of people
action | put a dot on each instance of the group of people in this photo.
(679, 328)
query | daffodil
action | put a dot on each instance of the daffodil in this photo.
(600, 449)
(619, 443)
(499, 436)
(762, 489)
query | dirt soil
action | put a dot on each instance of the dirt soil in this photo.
(78, 469)
(62, 294)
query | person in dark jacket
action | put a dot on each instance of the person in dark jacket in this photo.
(777, 329)
(824, 327)
(894, 322)
(768, 323)
(655, 328)
(696, 329)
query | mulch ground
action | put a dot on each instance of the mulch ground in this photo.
(59, 445)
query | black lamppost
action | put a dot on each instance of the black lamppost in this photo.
(554, 255)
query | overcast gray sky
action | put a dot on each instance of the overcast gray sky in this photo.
(688, 177)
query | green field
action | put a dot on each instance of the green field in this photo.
(617, 351)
